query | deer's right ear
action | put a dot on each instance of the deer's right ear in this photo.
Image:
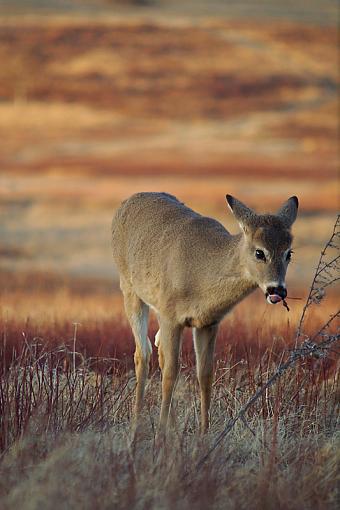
(288, 211)
(243, 214)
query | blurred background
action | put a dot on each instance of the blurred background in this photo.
(100, 99)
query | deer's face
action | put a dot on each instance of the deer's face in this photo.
(267, 255)
(267, 246)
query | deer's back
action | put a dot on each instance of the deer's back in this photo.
(159, 241)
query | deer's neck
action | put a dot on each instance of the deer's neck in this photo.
(232, 282)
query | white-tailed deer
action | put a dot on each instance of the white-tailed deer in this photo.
(192, 271)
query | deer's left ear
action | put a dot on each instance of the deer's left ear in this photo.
(288, 212)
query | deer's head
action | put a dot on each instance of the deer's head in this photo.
(267, 245)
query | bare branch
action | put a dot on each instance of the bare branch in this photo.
(316, 292)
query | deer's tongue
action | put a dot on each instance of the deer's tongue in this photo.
(274, 298)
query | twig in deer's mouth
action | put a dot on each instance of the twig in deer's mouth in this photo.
(284, 303)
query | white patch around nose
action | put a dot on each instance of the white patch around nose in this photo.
(275, 284)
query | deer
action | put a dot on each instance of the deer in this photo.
(191, 271)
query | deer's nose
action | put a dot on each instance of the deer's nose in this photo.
(277, 291)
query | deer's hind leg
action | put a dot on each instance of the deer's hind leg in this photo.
(138, 312)
(204, 342)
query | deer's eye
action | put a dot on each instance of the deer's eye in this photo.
(289, 255)
(259, 254)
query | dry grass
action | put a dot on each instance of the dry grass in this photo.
(66, 399)
(65, 433)
(46, 305)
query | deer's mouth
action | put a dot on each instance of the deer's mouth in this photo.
(276, 294)
(273, 298)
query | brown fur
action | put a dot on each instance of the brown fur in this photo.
(192, 271)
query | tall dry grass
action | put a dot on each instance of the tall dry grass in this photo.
(65, 416)
(65, 437)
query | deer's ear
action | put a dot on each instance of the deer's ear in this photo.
(288, 212)
(243, 214)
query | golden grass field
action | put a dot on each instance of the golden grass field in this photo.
(101, 100)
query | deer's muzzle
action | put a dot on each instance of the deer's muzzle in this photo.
(276, 294)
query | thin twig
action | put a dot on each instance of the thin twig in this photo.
(318, 270)
(325, 326)
(76, 324)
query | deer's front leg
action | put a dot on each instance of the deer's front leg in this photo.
(169, 348)
(204, 342)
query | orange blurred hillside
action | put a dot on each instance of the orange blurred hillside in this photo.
(181, 97)
(96, 107)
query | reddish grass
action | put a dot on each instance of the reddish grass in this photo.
(42, 308)
(67, 394)
(52, 412)
(239, 339)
